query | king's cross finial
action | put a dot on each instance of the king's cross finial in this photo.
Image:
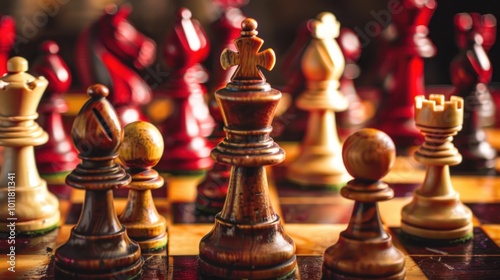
(248, 58)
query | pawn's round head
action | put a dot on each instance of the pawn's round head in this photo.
(368, 154)
(142, 145)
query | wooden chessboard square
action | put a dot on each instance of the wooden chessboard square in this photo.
(37, 245)
(486, 213)
(30, 267)
(185, 213)
(316, 213)
(183, 267)
(481, 244)
(155, 267)
(459, 267)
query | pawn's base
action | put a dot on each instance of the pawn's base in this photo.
(361, 259)
(157, 243)
(284, 272)
(448, 236)
(34, 227)
(109, 256)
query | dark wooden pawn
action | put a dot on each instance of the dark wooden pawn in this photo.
(471, 71)
(141, 149)
(98, 247)
(248, 240)
(58, 157)
(364, 250)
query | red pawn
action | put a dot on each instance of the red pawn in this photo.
(7, 40)
(57, 157)
(212, 191)
(405, 77)
(110, 52)
(185, 130)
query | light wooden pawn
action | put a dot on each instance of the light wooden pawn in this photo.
(141, 149)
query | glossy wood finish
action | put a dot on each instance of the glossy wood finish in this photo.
(110, 52)
(35, 209)
(7, 40)
(471, 72)
(141, 149)
(98, 247)
(365, 249)
(436, 211)
(247, 240)
(320, 163)
(58, 157)
(404, 71)
(186, 148)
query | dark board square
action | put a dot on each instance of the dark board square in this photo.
(316, 213)
(310, 267)
(155, 267)
(480, 244)
(185, 267)
(486, 213)
(185, 213)
(459, 267)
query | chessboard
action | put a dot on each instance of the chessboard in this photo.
(313, 218)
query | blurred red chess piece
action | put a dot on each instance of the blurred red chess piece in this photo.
(7, 40)
(58, 157)
(404, 78)
(471, 71)
(109, 52)
(186, 129)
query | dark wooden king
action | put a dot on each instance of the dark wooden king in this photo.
(247, 240)
(99, 247)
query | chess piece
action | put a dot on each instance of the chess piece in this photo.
(247, 240)
(364, 250)
(186, 148)
(140, 151)
(58, 157)
(34, 210)
(471, 71)
(110, 52)
(291, 125)
(405, 76)
(212, 190)
(7, 40)
(98, 247)
(358, 113)
(319, 162)
(436, 212)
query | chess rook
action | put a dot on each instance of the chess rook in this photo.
(364, 250)
(436, 212)
(140, 151)
(248, 240)
(319, 162)
(36, 209)
(98, 247)
(58, 157)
